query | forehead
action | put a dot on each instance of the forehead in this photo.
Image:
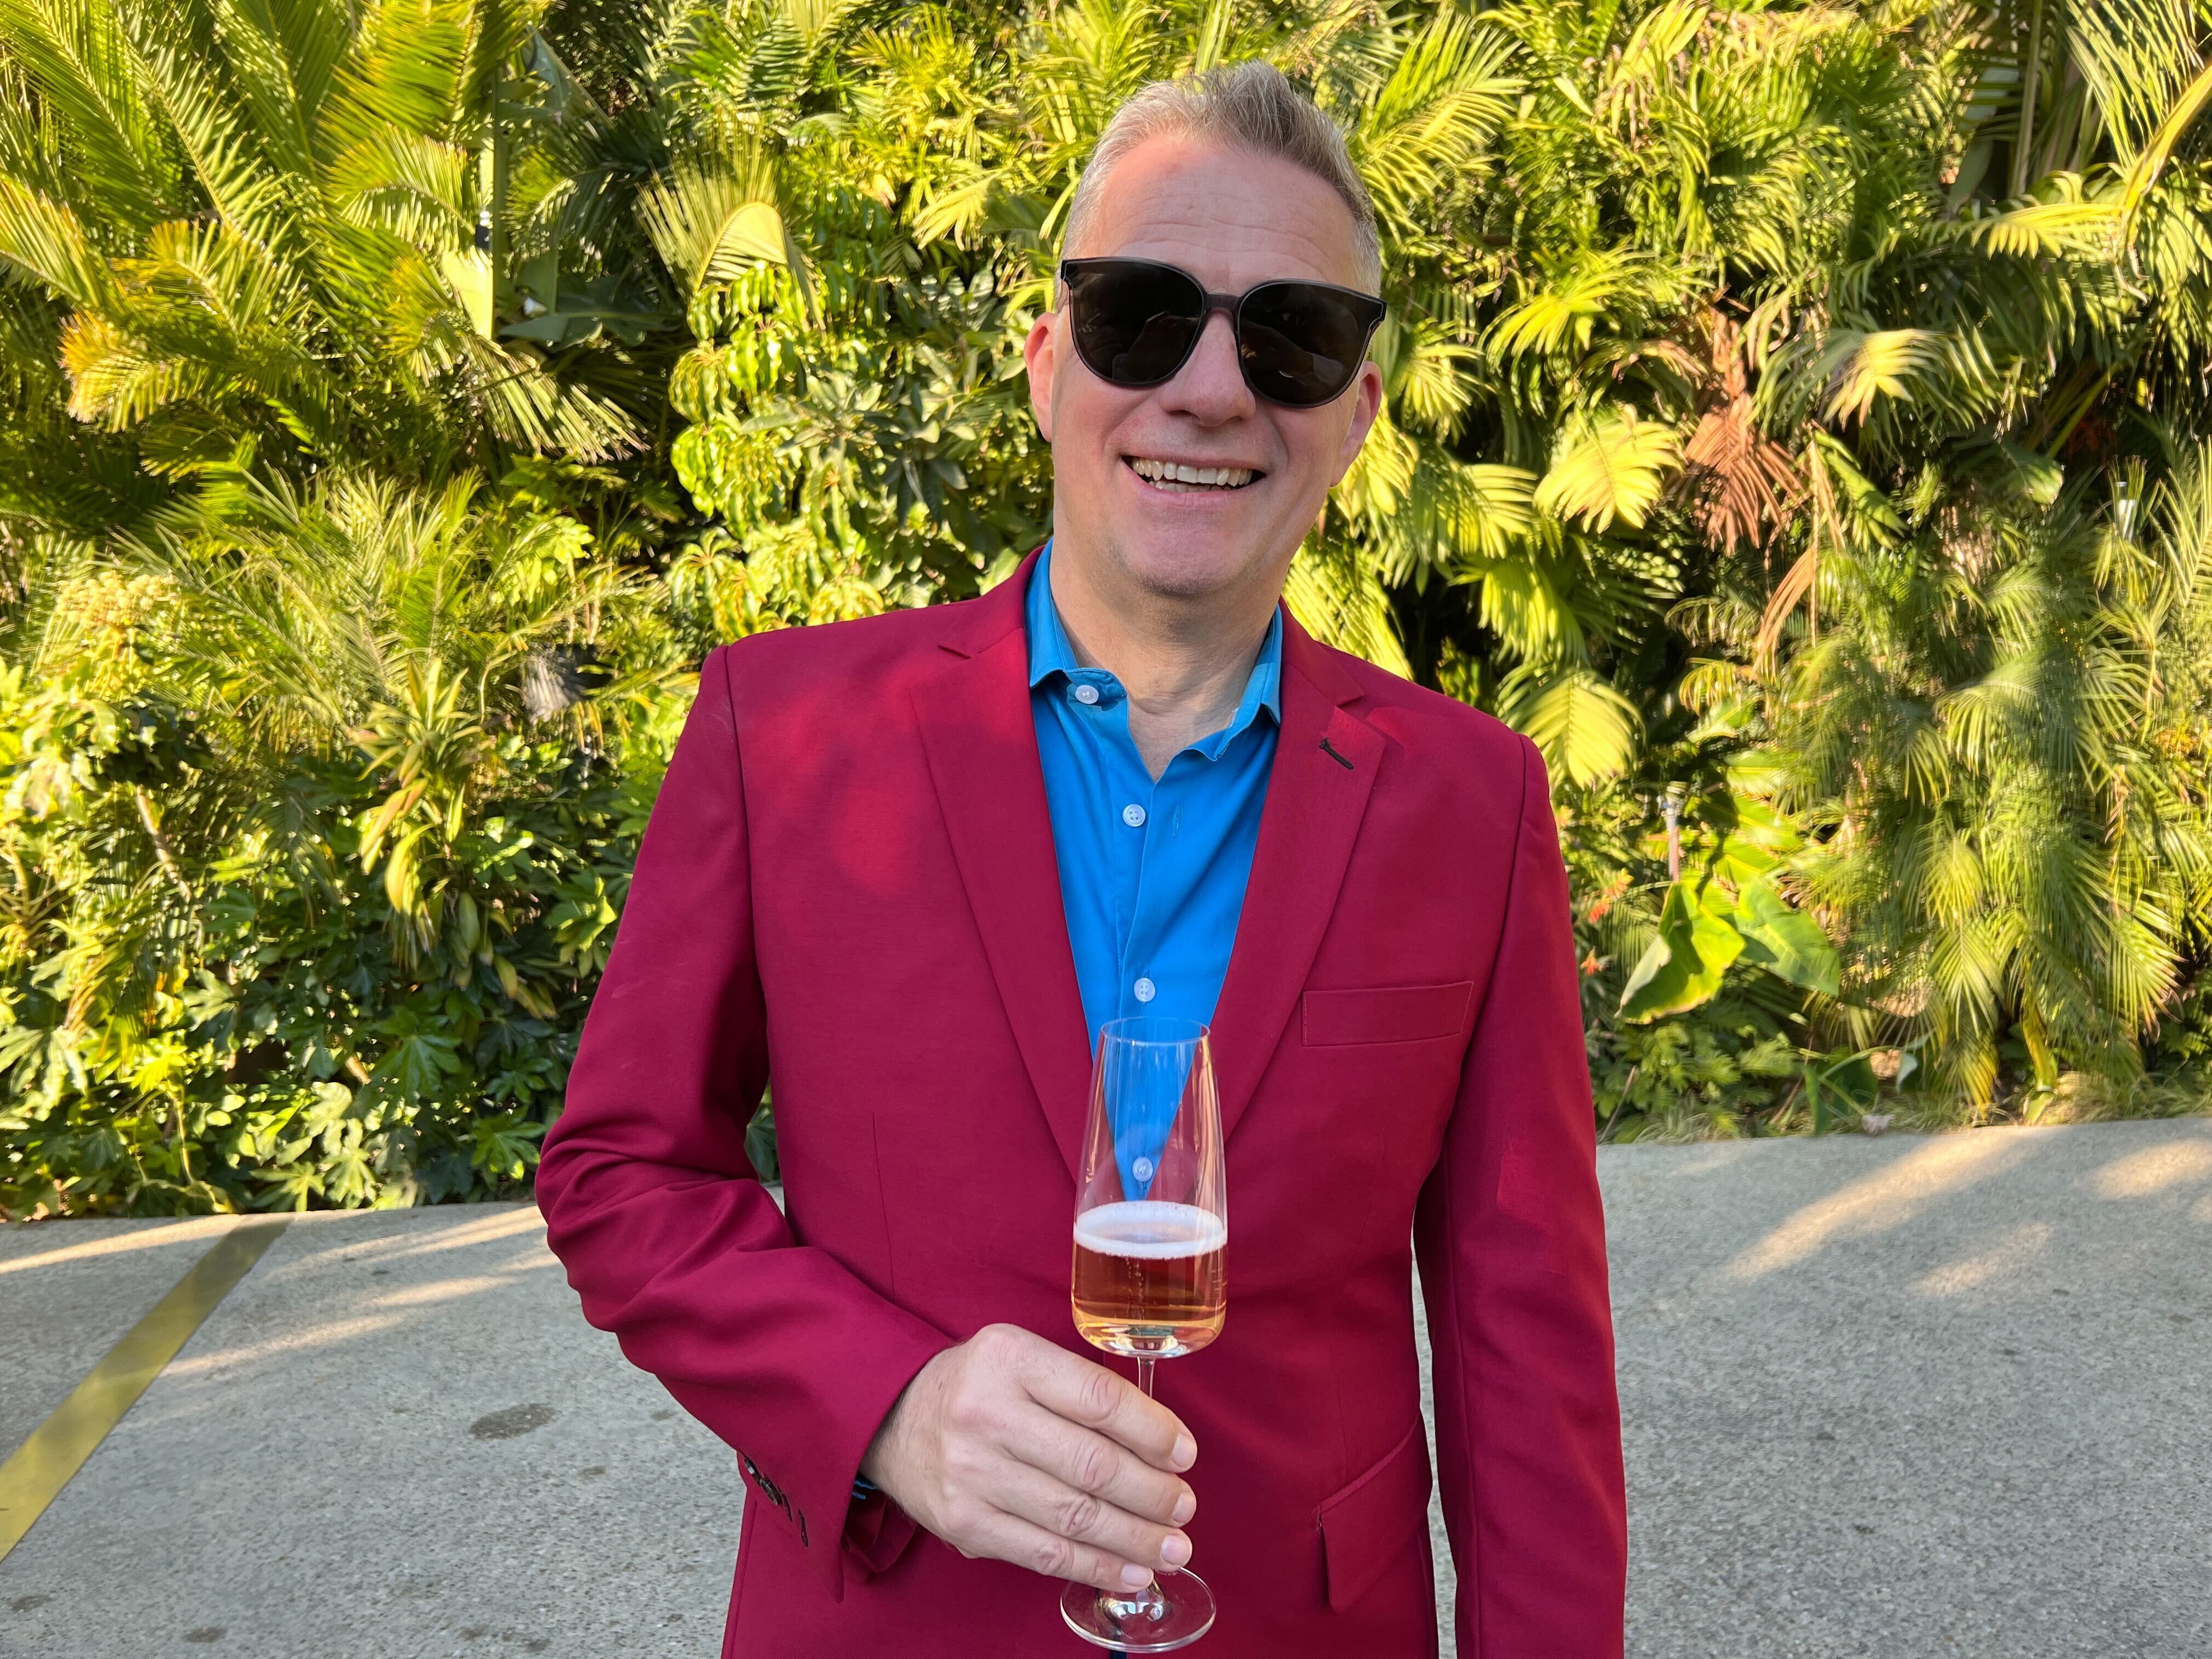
(1230, 217)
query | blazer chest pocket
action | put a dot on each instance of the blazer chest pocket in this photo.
(1370, 1523)
(1386, 1013)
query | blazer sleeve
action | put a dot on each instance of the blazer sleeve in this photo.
(1510, 1236)
(667, 1232)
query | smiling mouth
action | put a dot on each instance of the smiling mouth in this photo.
(1178, 478)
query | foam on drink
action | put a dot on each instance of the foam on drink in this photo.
(1149, 1230)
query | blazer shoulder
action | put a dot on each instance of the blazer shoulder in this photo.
(1414, 715)
(860, 660)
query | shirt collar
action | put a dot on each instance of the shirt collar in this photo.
(1052, 652)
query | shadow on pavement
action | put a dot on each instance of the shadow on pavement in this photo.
(1886, 1397)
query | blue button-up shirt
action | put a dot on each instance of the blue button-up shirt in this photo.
(1152, 874)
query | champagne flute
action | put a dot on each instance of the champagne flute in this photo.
(1152, 1232)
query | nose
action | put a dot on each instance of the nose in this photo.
(1210, 385)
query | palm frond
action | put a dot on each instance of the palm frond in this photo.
(1585, 729)
(1337, 598)
(1615, 467)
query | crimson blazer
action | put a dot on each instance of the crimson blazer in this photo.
(848, 887)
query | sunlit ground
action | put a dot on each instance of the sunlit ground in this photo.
(1886, 1397)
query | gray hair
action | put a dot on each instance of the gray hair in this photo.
(1248, 106)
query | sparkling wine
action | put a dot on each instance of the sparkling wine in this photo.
(1150, 1279)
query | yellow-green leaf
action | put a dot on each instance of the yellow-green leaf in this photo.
(1616, 467)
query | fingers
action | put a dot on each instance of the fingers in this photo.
(1088, 1463)
(1031, 1495)
(1007, 1537)
(1072, 1387)
(1011, 1447)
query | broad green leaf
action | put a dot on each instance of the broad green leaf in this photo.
(469, 274)
(1760, 823)
(1740, 860)
(1786, 941)
(1683, 966)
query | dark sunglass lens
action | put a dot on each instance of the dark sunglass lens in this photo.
(1302, 343)
(1134, 323)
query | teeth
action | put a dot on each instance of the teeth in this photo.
(1171, 474)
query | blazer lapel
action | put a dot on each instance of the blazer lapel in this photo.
(980, 741)
(1316, 796)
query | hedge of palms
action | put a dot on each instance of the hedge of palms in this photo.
(1797, 423)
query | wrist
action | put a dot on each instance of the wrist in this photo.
(877, 1461)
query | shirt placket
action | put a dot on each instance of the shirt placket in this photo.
(1149, 814)
(1136, 990)
(1160, 893)
(1101, 708)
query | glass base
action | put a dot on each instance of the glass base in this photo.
(1173, 1612)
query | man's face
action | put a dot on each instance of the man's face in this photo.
(1232, 220)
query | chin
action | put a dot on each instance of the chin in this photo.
(1187, 561)
(1187, 573)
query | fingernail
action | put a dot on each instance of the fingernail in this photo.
(1175, 1551)
(1185, 1453)
(1135, 1578)
(1186, 1506)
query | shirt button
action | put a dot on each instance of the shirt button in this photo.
(1133, 816)
(1086, 693)
(1146, 990)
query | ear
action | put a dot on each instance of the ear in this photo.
(1041, 351)
(1366, 400)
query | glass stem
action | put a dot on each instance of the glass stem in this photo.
(1150, 1598)
(1150, 1602)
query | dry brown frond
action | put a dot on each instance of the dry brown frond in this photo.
(1743, 484)
(1796, 582)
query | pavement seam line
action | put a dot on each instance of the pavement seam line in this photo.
(34, 1476)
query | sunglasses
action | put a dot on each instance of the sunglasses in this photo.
(1136, 323)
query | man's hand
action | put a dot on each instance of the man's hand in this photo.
(1012, 1448)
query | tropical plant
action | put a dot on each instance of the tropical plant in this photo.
(1795, 423)
(290, 233)
(326, 757)
(372, 838)
(1996, 732)
(859, 421)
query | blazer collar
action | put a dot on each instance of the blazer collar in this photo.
(980, 738)
(1326, 759)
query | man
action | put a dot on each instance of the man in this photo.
(906, 866)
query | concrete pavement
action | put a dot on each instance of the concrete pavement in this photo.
(1900, 1397)
(1917, 1397)
(396, 1438)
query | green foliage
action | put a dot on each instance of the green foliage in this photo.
(308, 899)
(1721, 1075)
(260, 231)
(1729, 909)
(1794, 423)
